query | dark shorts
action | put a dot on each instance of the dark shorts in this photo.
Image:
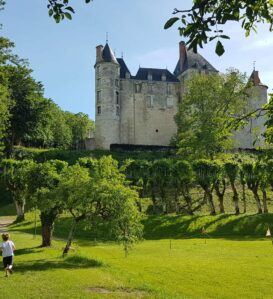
(7, 261)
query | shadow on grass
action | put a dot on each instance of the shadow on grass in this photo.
(32, 250)
(242, 227)
(74, 262)
(226, 226)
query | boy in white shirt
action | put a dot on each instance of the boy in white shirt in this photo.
(7, 252)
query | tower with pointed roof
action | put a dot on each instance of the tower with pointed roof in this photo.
(140, 109)
(107, 75)
(251, 135)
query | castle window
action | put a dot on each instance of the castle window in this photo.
(150, 76)
(127, 75)
(98, 82)
(98, 69)
(149, 101)
(99, 110)
(98, 95)
(117, 110)
(117, 98)
(169, 89)
(117, 83)
(138, 87)
(169, 102)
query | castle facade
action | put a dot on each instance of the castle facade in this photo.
(140, 109)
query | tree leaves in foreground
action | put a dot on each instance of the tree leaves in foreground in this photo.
(61, 9)
(203, 22)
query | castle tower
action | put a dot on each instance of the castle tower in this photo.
(252, 133)
(107, 120)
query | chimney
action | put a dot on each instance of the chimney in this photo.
(99, 53)
(182, 55)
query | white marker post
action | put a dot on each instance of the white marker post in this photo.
(268, 234)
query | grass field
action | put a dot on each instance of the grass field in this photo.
(235, 260)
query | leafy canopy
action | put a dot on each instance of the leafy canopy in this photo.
(202, 23)
(209, 105)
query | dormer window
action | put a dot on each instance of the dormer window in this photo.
(150, 76)
(127, 75)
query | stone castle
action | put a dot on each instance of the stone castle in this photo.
(140, 109)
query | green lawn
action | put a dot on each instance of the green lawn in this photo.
(174, 261)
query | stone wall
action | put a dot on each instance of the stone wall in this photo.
(147, 112)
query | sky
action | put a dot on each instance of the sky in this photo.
(62, 56)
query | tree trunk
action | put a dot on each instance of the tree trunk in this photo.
(153, 200)
(70, 237)
(244, 197)
(72, 232)
(235, 198)
(257, 199)
(47, 222)
(220, 195)
(210, 201)
(163, 201)
(176, 200)
(188, 199)
(20, 211)
(264, 202)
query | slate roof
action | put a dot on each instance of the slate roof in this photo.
(123, 68)
(194, 61)
(142, 74)
(108, 55)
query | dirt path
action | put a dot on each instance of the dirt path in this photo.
(4, 223)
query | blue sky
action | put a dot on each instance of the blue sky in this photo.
(63, 55)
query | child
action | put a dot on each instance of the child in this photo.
(7, 252)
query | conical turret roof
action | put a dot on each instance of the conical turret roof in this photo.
(108, 55)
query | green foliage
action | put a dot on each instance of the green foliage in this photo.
(204, 117)
(206, 172)
(269, 122)
(101, 192)
(232, 170)
(60, 9)
(202, 23)
(15, 175)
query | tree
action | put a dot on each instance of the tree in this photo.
(206, 173)
(181, 177)
(43, 179)
(60, 9)
(262, 169)
(26, 96)
(138, 171)
(80, 126)
(161, 179)
(243, 184)
(202, 23)
(15, 177)
(232, 170)
(4, 110)
(209, 105)
(100, 193)
(252, 178)
(220, 187)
